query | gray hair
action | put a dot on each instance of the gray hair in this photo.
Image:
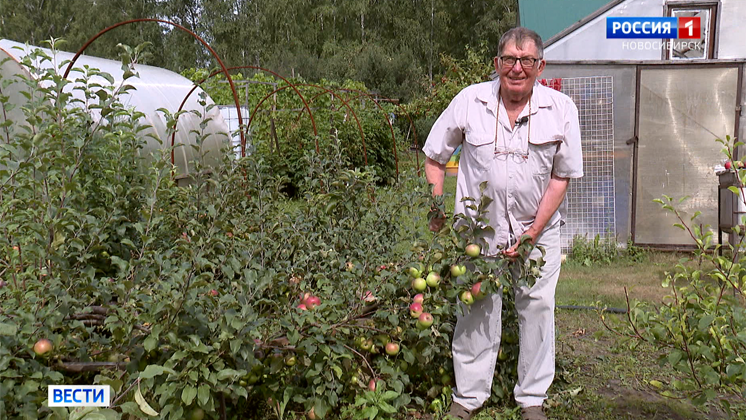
(520, 35)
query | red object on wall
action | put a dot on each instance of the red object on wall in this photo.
(555, 84)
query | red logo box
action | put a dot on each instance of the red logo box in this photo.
(690, 27)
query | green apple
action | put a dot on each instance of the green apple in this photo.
(458, 270)
(433, 279)
(197, 414)
(43, 346)
(416, 271)
(467, 297)
(392, 349)
(419, 284)
(473, 250)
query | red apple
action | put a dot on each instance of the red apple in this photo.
(368, 296)
(415, 310)
(372, 385)
(302, 307)
(473, 250)
(392, 349)
(213, 293)
(728, 165)
(424, 321)
(467, 297)
(476, 291)
(419, 284)
(418, 298)
(43, 346)
(312, 302)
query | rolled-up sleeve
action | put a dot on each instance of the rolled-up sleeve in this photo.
(568, 161)
(448, 131)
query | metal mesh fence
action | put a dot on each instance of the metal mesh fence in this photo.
(589, 207)
(231, 118)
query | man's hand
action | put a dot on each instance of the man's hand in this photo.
(437, 214)
(549, 204)
(513, 251)
(437, 222)
(435, 173)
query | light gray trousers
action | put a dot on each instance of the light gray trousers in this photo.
(476, 339)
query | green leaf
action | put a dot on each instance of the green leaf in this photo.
(229, 373)
(338, 371)
(154, 370)
(320, 407)
(203, 395)
(80, 412)
(144, 406)
(150, 343)
(390, 395)
(8, 329)
(188, 394)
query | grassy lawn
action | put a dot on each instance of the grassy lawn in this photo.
(598, 377)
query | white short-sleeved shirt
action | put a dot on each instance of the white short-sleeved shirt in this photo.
(518, 175)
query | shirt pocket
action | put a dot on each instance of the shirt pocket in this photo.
(541, 154)
(479, 150)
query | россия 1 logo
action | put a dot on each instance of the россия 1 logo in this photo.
(654, 27)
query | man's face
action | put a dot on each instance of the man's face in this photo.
(518, 79)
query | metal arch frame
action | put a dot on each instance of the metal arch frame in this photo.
(354, 114)
(409, 117)
(176, 25)
(238, 108)
(391, 127)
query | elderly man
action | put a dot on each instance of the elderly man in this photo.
(524, 139)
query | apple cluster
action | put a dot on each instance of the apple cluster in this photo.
(422, 282)
(308, 301)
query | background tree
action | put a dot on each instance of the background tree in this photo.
(392, 46)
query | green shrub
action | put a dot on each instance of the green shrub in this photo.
(701, 323)
(594, 251)
(186, 300)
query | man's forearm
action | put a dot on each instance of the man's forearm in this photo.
(549, 204)
(435, 173)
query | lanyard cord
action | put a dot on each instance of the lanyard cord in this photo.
(497, 127)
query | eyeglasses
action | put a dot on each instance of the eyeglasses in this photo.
(509, 61)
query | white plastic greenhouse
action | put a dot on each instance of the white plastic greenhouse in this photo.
(154, 88)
